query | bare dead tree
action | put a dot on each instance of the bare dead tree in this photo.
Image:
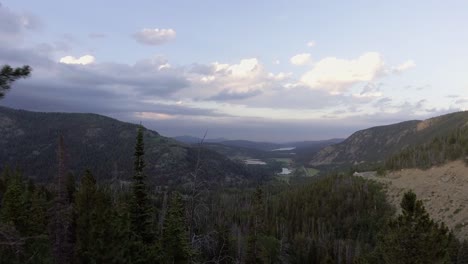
(197, 188)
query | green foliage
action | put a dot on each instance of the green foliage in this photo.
(174, 244)
(414, 237)
(452, 146)
(332, 219)
(23, 222)
(105, 146)
(462, 256)
(8, 75)
(254, 246)
(95, 232)
(14, 204)
(141, 213)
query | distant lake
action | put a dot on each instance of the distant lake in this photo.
(254, 162)
(285, 171)
(284, 149)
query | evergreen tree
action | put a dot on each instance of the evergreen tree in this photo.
(85, 210)
(414, 237)
(141, 215)
(462, 257)
(8, 75)
(14, 208)
(95, 224)
(175, 246)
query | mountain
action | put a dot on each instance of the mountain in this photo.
(196, 140)
(104, 145)
(378, 143)
(265, 146)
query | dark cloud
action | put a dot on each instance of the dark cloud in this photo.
(232, 96)
(154, 36)
(461, 101)
(61, 97)
(146, 80)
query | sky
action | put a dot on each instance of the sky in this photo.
(257, 70)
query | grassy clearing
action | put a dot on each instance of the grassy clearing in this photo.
(311, 171)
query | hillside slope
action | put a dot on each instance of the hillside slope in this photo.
(104, 145)
(443, 189)
(377, 143)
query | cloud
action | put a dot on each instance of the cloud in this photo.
(370, 91)
(300, 59)
(97, 35)
(13, 25)
(311, 44)
(155, 36)
(404, 66)
(337, 75)
(230, 95)
(83, 60)
(227, 79)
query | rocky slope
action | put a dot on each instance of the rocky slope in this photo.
(443, 190)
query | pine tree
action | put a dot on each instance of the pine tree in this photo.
(8, 75)
(414, 237)
(85, 209)
(174, 244)
(141, 214)
(14, 209)
(462, 257)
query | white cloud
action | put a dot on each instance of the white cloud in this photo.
(311, 44)
(245, 79)
(404, 66)
(246, 68)
(337, 75)
(300, 59)
(83, 60)
(154, 36)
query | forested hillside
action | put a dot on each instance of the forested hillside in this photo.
(335, 219)
(441, 149)
(29, 141)
(379, 143)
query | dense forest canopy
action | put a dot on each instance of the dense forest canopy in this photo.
(334, 219)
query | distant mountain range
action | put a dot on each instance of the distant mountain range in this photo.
(265, 146)
(378, 143)
(28, 140)
(300, 151)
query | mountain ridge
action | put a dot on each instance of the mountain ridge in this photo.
(104, 145)
(375, 144)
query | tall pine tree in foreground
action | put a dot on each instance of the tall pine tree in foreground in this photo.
(142, 237)
(141, 217)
